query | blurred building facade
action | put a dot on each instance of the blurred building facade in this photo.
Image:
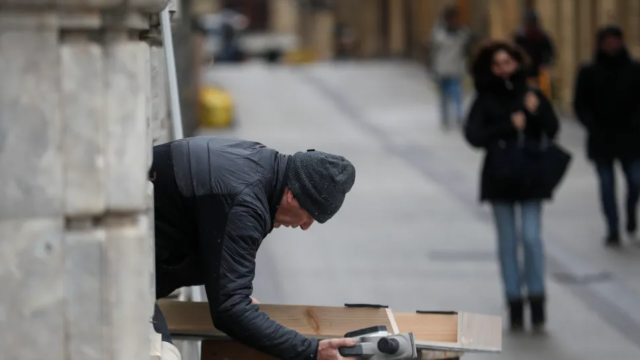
(401, 28)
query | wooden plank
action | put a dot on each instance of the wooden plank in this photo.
(457, 332)
(194, 319)
(480, 332)
(429, 327)
(231, 350)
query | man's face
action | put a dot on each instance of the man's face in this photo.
(611, 44)
(290, 214)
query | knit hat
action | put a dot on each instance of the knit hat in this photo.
(320, 182)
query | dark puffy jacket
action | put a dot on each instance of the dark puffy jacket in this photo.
(539, 47)
(607, 103)
(489, 122)
(215, 201)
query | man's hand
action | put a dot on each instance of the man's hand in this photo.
(254, 300)
(328, 349)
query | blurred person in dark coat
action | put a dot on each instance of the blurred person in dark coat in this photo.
(607, 103)
(538, 45)
(505, 111)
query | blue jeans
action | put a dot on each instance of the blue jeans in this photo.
(508, 244)
(450, 90)
(607, 178)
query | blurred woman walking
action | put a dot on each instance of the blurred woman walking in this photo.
(506, 116)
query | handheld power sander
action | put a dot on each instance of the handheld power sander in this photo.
(375, 343)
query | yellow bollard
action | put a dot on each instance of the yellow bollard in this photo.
(216, 108)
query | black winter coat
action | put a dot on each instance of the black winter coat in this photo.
(539, 48)
(489, 122)
(607, 103)
(215, 201)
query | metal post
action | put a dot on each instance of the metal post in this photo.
(174, 98)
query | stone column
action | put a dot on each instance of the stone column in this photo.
(567, 46)
(397, 35)
(284, 16)
(76, 238)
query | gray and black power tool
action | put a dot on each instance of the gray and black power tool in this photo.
(375, 343)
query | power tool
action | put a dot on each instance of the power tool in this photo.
(375, 343)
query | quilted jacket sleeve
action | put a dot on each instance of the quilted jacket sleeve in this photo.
(479, 132)
(228, 282)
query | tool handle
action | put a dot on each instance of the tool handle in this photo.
(351, 351)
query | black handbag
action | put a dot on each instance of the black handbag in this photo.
(521, 165)
(552, 164)
(509, 164)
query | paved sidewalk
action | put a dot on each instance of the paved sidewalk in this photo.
(411, 234)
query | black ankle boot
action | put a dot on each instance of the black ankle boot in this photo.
(537, 307)
(516, 312)
(632, 226)
(612, 240)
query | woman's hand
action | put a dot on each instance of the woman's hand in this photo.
(518, 119)
(531, 102)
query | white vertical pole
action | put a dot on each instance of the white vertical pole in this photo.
(174, 98)
(176, 120)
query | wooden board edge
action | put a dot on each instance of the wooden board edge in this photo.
(231, 350)
(433, 327)
(392, 320)
(193, 319)
(480, 331)
(453, 347)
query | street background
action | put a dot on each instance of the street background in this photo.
(353, 77)
(411, 234)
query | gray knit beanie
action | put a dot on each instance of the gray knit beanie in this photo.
(320, 182)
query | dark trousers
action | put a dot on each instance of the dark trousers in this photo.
(606, 176)
(160, 325)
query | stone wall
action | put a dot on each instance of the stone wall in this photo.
(82, 100)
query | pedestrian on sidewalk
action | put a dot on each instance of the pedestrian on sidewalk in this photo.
(508, 112)
(450, 42)
(607, 103)
(538, 46)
